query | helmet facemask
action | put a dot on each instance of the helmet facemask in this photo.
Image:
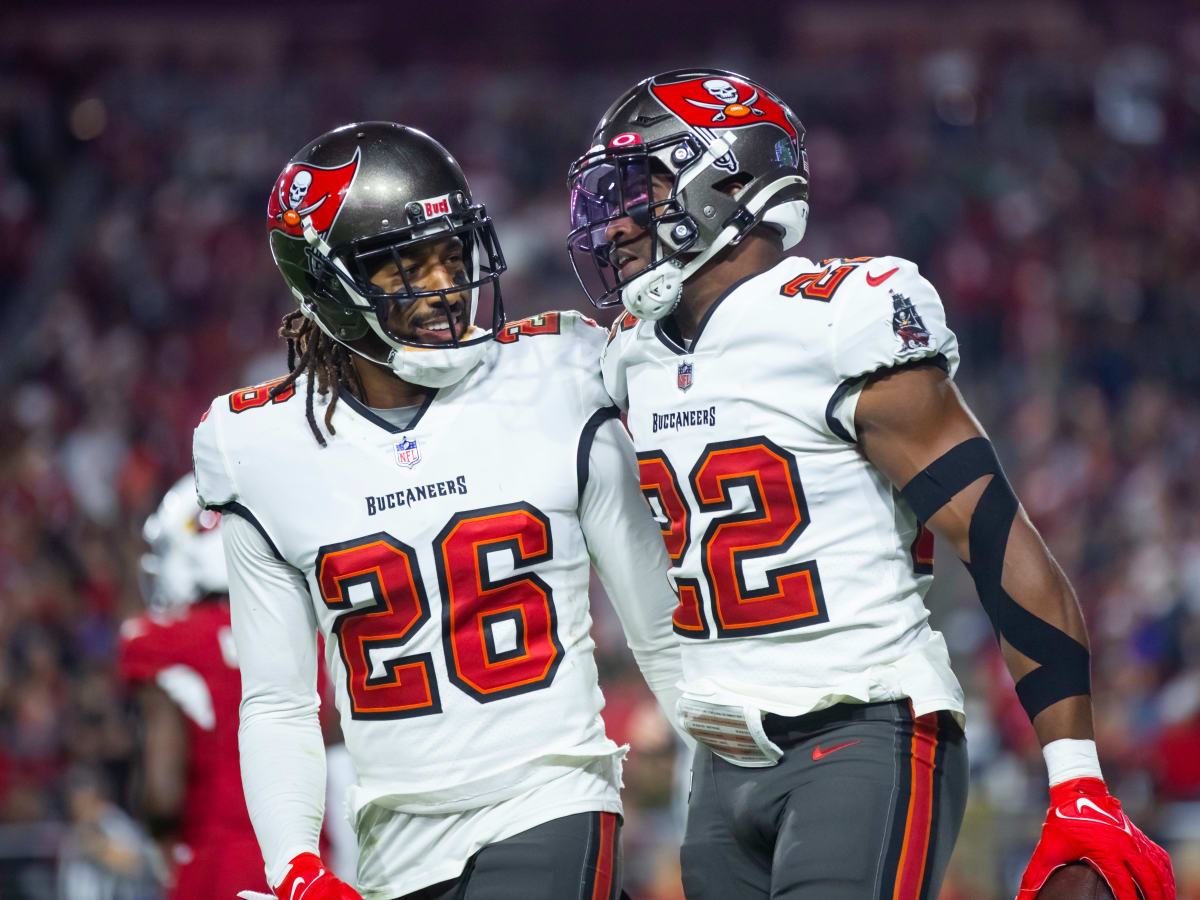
(344, 274)
(608, 185)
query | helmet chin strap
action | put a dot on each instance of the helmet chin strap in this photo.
(434, 367)
(655, 292)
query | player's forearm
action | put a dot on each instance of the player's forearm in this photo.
(1036, 584)
(626, 548)
(283, 777)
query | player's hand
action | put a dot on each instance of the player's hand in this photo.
(1085, 822)
(307, 879)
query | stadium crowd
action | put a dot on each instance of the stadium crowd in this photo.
(1044, 174)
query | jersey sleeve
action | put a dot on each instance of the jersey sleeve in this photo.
(612, 371)
(586, 343)
(888, 316)
(626, 549)
(215, 487)
(279, 738)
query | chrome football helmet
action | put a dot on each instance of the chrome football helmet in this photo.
(707, 130)
(186, 560)
(359, 197)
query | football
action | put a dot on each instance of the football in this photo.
(1077, 881)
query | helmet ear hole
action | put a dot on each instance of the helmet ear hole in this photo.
(733, 184)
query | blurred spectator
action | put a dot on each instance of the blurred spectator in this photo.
(105, 855)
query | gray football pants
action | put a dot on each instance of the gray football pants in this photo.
(573, 858)
(866, 803)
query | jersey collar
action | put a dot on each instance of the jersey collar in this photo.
(667, 329)
(345, 396)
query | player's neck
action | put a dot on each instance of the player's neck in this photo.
(381, 387)
(757, 253)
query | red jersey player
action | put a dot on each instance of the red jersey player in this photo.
(180, 655)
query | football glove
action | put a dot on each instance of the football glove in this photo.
(307, 879)
(1085, 822)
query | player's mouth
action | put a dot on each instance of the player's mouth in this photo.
(627, 263)
(436, 329)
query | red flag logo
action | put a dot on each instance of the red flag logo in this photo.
(304, 190)
(723, 103)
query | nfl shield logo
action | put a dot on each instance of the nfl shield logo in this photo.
(408, 454)
(683, 377)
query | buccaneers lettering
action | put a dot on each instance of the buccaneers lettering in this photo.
(409, 496)
(684, 418)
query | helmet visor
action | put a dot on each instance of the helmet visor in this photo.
(609, 190)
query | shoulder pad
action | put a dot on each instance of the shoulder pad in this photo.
(611, 368)
(885, 315)
(565, 321)
(214, 482)
(234, 420)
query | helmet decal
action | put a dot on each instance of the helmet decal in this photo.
(306, 190)
(726, 102)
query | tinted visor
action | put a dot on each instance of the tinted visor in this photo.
(608, 185)
(606, 191)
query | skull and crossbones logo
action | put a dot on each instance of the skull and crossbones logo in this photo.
(729, 105)
(297, 191)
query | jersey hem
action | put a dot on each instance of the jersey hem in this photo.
(453, 868)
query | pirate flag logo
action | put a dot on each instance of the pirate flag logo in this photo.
(306, 191)
(712, 104)
(907, 324)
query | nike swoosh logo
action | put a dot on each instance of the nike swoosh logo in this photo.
(295, 884)
(818, 753)
(877, 280)
(1083, 803)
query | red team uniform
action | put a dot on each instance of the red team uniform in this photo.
(188, 653)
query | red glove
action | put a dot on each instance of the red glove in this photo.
(1085, 822)
(308, 879)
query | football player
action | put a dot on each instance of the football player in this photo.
(180, 656)
(426, 493)
(799, 434)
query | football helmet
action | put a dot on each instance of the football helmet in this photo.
(707, 130)
(186, 560)
(357, 198)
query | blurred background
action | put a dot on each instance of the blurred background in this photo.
(1040, 161)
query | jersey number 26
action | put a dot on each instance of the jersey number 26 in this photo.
(475, 608)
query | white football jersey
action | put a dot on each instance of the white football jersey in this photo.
(446, 564)
(800, 572)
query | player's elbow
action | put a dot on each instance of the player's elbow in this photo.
(273, 705)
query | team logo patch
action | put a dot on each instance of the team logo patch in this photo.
(683, 376)
(309, 191)
(716, 103)
(408, 454)
(907, 324)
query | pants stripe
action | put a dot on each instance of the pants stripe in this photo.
(918, 827)
(601, 865)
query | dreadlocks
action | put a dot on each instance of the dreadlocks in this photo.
(310, 351)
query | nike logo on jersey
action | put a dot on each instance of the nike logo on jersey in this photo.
(1084, 803)
(298, 883)
(877, 280)
(818, 753)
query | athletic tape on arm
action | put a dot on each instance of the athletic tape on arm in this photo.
(1063, 663)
